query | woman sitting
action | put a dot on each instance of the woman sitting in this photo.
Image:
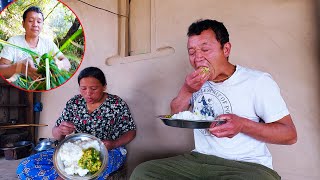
(95, 112)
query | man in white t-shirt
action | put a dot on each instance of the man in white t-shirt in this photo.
(248, 100)
(14, 61)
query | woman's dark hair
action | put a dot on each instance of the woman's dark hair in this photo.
(92, 72)
(217, 27)
(34, 9)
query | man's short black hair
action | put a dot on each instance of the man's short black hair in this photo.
(34, 9)
(92, 72)
(217, 27)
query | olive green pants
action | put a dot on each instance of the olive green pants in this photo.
(196, 166)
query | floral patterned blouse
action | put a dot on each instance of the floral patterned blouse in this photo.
(108, 122)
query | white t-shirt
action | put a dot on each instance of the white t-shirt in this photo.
(247, 93)
(15, 54)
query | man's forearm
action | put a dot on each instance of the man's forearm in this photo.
(181, 102)
(279, 132)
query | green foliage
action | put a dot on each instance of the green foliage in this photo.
(74, 45)
(56, 76)
(32, 53)
(51, 75)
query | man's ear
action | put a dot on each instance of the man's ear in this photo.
(23, 24)
(227, 49)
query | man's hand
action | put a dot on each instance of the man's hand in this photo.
(230, 128)
(195, 80)
(193, 83)
(281, 131)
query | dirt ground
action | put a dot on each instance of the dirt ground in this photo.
(8, 169)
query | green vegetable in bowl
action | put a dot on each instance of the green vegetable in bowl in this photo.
(90, 160)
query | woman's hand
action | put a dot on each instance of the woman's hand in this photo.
(27, 66)
(109, 144)
(8, 69)
(121, 141)
(62, 63)
(66, 128)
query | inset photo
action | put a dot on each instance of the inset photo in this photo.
(42, 44)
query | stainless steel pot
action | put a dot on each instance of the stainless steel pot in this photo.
(46, 144)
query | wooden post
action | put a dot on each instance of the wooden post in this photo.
(29, 115)
(123, 25)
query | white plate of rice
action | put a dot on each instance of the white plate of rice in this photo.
(187, 119)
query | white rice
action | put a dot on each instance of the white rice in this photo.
(70, 153)
(187, 115)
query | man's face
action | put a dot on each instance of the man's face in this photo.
(205, 51)
(33, 24)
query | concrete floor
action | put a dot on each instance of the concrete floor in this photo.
(8, 169)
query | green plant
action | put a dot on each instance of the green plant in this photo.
(51, 75)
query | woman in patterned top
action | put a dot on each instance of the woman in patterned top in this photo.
(95, 112)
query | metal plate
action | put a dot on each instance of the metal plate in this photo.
(58, 164)
(192, 124)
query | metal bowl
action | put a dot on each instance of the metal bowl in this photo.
(58, 164)
(45, 144)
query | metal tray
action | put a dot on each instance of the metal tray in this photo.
(191, 124)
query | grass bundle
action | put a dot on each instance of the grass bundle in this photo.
(51, 75)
